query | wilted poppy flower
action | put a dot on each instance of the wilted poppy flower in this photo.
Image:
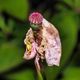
(43, 42)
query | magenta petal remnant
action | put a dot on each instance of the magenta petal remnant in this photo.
(35, 18)
(43, 43)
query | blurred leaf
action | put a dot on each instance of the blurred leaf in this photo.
(2, 23)
(70, 2)
(20, 31)
(51, 72)
(73, 3)
(72, 73)
(10, 55)
(22, 75)
(4, 27)
(77, 3)
(67, 26)
(17, 8)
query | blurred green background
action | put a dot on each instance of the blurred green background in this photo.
(64, 14)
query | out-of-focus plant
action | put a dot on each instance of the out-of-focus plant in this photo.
(16, 8)
(71, 73)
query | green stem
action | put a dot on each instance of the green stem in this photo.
(39, 75)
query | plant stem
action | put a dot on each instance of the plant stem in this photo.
(39, 75)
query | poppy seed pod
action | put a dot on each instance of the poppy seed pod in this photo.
(35, 18)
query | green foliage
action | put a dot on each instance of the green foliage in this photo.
(22, 75)
(71, 73)
(73, 3)
(10, 55)
(16, 8)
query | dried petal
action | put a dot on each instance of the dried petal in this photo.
(31, 45)
(29, 55)
(53, 44)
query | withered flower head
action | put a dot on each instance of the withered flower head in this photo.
(43, 43)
